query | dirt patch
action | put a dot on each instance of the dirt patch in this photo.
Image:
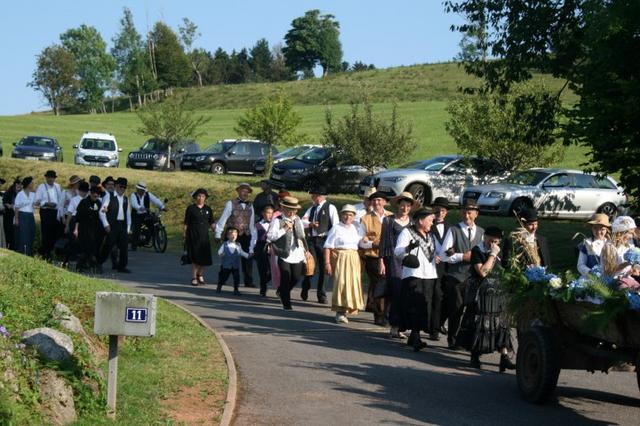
(197, 405)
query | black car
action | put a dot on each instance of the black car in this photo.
(229, 156)
(318, 166)
(37, 148)
(153, 155)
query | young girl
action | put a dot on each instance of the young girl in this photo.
(230, 252)
(260, 248)
(590, 249)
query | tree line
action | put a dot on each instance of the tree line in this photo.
(77, 73)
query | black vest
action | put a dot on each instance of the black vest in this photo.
(323, 218)
(436, 235)
(146, 200)
(112, 209)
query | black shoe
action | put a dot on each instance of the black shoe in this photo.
(263, 293)
(434, 336)
(124, 270)
(418, 345)
(304, 294)
(219, 289)
(249, 285)
(322, 300)
(475, 361)
(452, 345)
(506, 363)
(236, 292)
(287, 307)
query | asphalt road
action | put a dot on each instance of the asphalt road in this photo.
(299, 367)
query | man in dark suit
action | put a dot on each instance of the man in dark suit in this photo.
(439, 231)
(527, 236)
(116, 219)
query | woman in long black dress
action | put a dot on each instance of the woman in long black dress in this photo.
(198, 220)
(87, 230)
(484, 328)
(8, 199)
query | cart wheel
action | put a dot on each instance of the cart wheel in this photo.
(537, 368)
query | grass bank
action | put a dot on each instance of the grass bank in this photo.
(154, 373)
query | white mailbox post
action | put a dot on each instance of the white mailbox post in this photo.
(122, 314)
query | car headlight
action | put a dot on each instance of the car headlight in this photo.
(495, 194)
(200, 158)
(394, 178)
(156, 157)
(296, 171)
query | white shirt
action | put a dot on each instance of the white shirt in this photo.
(426, 270)
(233, 247)
(333, 217)
(448, 243)
(342, 236)
(228, 208)
(254, 235)
(139, 207)
(72, 208)
(49, 194)
(23, 202)
(593, 247)
(296, 254)
(105, 204)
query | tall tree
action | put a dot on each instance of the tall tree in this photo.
(220, 67)
(313, 39)
(240, 70)
(171, 63)
(188, 35)
(133, 74)
(55, 77)
(593, 45)
(261, 60)
(202, 60)
(279, 69)
(94, 66)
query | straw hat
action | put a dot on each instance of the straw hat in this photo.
(244, 185)
(141, 185)
(404, 196)
(290, 202)
(74, 179)
(348, 208)
(599, 219)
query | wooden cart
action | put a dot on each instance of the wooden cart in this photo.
(560, 342)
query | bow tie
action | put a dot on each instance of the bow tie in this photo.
(242, 202)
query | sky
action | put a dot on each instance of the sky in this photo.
(384, 33)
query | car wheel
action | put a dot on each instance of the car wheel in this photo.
(420, 193)
(218, 168)
(609, 209)
(519, 205)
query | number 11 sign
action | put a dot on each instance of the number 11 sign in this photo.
(136, 315)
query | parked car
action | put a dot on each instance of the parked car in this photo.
(553, 192)
(318, 165)
(152, 155)
(97, 149)
(442, 176)
(292, 152)
(37, 148)
(229, 156)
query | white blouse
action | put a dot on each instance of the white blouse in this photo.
(24, 202)
(426, 270)
(296, 254)
(342, 236)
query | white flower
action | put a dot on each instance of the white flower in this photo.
(555, 282)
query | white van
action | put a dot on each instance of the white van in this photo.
(97, 149)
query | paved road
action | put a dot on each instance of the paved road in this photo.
(299, 367)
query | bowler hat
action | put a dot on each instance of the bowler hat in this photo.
(493, 231)
(441, 202)
(51, 174)
(528, 215)
(318, 190)
(470, 204)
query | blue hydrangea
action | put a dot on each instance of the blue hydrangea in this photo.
(535, 274)
(632, 256)
(634, 301)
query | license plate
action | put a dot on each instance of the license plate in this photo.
(186, 163)
(141, 164)
(96, 164)
(30, 158)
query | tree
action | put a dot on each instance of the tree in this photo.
(593, 45)
(188, 34)
(54, 77)
(313, 39)
(220, 67)
(171, 121)
(274, 122)
(473, 45)
(202, 60)
(279, 69)
(94, 66)
(260, 60)
(171, 63)
(368, 139)
(239, 70)
(133, 74)
(517, 129)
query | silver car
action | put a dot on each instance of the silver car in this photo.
(442, 176)
(553, 192)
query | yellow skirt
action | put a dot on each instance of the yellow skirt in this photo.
(347, 281)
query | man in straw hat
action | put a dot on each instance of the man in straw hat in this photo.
(318, 219)
(590, 250)
(50, 198)
(239, 214)
(525, 246)
(456, 251)
(141, 201)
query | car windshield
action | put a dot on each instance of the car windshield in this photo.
(37, 141)
(292, 152)
(98, 144)
(434, 164)
(314, 155)
(219, 148)
(154, 145)
(527, 178)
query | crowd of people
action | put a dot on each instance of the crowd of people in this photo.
(88, 221)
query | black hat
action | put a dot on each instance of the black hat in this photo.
(122, 181)
(422, 212)
(26, 181)
(493, 231)
(470, 204)
(108, 179)
(378, 194)
(94, 179)
(318, 190)
(51, 173)
(528, 215)
(441, 202)
(199, 191)
(411, 261)
(83, 186)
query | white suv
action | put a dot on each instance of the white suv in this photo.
(97, 149)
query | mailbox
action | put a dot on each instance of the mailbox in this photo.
(125, 314)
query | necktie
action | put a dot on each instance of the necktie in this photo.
(469, 232)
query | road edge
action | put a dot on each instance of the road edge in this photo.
(232, 372)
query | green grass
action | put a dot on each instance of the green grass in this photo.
(152, 371)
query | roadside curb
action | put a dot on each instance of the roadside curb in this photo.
(232, 391)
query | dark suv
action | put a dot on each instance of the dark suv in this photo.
(153, 155)
(37, 148)
(229, 156)
(318, 165)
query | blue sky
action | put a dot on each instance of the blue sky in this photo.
(385, 33)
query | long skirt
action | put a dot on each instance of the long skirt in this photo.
(26, 233)
(484, 328)
(417, 295)
(347, 282)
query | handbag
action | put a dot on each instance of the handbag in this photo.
(185, 259)
(309, 264)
